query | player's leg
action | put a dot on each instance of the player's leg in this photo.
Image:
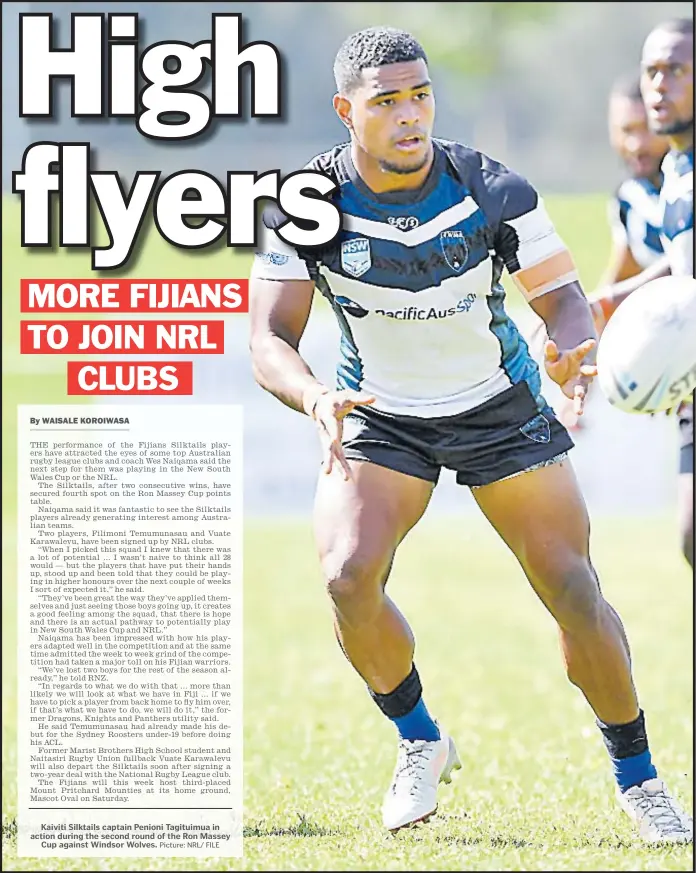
(542, 517)
(358, 526)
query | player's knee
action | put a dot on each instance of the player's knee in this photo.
(353, 582)
(575, 599)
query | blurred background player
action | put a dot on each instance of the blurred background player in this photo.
(667, 87)
(634, 210)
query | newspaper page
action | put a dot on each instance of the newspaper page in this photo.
(341, 530)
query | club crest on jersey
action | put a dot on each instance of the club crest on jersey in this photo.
(454, 248)
(356, 257)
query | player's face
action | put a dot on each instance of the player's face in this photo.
(638, 147)
(392, 114)
(667, 82)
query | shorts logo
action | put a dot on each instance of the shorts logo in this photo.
(356, 258)
(454, 248)
(351, 307)
(537, 429)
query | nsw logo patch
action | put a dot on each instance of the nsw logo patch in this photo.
(356, 257)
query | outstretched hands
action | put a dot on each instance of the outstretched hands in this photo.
(328, 409)
(570, 370)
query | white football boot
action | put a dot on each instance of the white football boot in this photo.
(659, 817)
(421, 765)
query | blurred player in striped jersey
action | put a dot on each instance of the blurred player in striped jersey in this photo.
(667, 87)
(634, 209)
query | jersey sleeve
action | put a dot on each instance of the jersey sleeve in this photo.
(616, 217)
(681, 253)
(678, 226)
(273, 257)
(536, 257)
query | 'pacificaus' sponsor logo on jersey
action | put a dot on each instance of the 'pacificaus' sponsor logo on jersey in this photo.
(408, 313)
(413, 313)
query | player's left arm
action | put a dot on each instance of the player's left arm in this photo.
(570, 353)
(543, 269)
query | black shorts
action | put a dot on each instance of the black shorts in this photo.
(506, 435)
(685, 415)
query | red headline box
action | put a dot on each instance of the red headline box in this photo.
(122, 337)
(134, 295)
(141, 377)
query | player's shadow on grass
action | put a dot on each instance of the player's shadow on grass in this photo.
(303, 828)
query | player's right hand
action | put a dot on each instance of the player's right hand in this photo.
(567, 369)
(328, 411)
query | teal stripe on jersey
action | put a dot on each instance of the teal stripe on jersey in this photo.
(349, 371)
(515, 358)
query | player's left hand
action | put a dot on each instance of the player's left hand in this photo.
(567, 370)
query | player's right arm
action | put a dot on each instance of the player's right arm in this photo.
(281, 293)
(279, 310)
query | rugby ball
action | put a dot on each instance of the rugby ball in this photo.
(646, 358)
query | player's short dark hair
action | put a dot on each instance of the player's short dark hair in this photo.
(627, 85)
(373, 47)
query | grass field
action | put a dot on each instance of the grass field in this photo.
(536, 790)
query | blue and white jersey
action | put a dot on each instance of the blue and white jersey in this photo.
(635, 216)
(414, 280)
(677, 202)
